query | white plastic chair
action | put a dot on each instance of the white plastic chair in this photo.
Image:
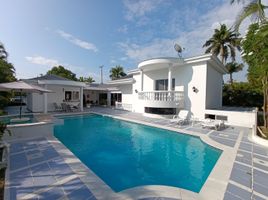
(181, 118)
(211, 123)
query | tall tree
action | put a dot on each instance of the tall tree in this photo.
(223, 42)
(86, 79)
(7, 74)
(117, 72)
(255, 53)
(62, 72)
(233, 67)
(254, 9)
(3, 52)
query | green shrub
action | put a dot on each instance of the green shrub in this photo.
(242, 94)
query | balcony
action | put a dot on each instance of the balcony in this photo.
(162, 99)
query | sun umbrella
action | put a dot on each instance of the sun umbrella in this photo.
(21, 86)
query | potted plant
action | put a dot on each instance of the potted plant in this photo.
(3, 146)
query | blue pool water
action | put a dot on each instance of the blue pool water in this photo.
(125, 155)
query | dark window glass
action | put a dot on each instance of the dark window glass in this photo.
(160, 111)
(68, 95)
(162, 84)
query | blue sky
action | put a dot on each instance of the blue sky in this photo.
(84, 34)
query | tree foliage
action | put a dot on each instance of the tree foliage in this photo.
(233, 67)
(242, 94)
(7, 74)
(224, 43)
(254, 9)
(117, 72)
(86, 79)
(3, 52)
(255, 53)
(62, 72)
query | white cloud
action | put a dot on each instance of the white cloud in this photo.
(76, 41)
(123, 29)
(39, 60)
(200, 29)
(49, 63)
(138, 8)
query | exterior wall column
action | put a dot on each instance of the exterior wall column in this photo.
(45, 100)
(109, 99)
(81, 98)
(170, 77)
(141, 74)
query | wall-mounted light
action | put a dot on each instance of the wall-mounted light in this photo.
(136, 91)
(195, 89)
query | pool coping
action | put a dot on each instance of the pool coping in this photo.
(214, 187)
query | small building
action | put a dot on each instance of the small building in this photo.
(64, 91)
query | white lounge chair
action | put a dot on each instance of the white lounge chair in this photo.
(211, 123)
(57, 107)
(181, 118)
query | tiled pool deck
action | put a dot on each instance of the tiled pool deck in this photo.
(42, 168)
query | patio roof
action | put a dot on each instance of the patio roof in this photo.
(51, 79)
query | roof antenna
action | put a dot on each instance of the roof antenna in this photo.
(101, 74)
(179, 49)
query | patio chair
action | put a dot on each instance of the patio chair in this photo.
(57, 107)
(64, 107)
(181, 118)
(70, 108)
(211, 123)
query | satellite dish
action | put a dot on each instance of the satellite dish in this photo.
(179, 49)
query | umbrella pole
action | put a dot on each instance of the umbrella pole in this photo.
(20, 102)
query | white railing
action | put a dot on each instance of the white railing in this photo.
(174, 96)
(123, 106)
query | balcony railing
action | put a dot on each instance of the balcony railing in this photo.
(173, 96)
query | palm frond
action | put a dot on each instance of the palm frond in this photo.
(254, 7)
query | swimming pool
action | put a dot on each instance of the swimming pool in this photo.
(126, 155)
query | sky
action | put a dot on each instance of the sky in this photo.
(82, 35)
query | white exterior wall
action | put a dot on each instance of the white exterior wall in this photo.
(236, 118)
(35, 102)
(58, 95)
(214, 88)
(127, 94)
(188, 77)
(137, 104)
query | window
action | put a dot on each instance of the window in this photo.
(162, 84)
(75, 95)
(71, 96)
(68, 95)
(160, 111)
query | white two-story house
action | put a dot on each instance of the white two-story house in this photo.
(163, 86)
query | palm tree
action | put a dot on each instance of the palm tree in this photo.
(233, 67)
(86, 79)
(3, 53)
(254, 8)
(223, 42)
(117, 72)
